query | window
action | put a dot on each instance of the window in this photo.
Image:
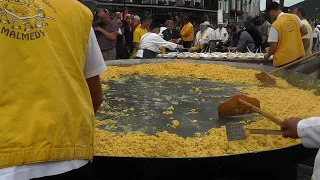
(226, 6)
(239, 4)
(220, 4)
(233, 4)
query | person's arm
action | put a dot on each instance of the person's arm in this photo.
(94, 66)
(111, 36)
(225, 36)
(273, 40)
(136, 39)
(308, 130)
(186, 31)
(306, 43)
(162, 43)
(94, 85)
(303, 30)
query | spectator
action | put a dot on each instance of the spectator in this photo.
(135, 22)
(264, 32)
(118, 16)
(254, 33)
(140, 31)
(120, 26)
(107, 35)
(187, 32)
(308, 38)
(210, 31)
(171, 33)
(221, 33)
(245, 43)
(128, 35)
(316, 35)
(151, 43)
(233, 36)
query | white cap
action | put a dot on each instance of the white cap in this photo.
(206, 23)
(136, 17)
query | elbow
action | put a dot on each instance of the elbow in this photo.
(113, 37)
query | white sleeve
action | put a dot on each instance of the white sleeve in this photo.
(95, 64)
(273, 35)
(299, 21)
(163, 43)
(309, 132)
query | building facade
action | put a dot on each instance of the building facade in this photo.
(161, 10)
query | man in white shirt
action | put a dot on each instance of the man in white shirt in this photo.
(308, 130)
(151, 43)
(316, 35)
(221, 33)
(203, 36)
(210, 31)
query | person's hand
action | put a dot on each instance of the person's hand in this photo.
(98, 28)
(180, 47)
(179, 40)
(290, 128)
(266, 57)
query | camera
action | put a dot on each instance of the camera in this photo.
(97, 21)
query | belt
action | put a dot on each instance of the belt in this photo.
(109, 49)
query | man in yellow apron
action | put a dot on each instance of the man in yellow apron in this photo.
(49, 79)
(285, 36)
(141, 29)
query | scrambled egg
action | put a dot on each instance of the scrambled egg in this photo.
(283, 101)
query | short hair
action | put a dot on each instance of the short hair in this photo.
(273, 6)
(145, 18)
(302, 11)
(169, 22)
(104, 10)
(154, 25)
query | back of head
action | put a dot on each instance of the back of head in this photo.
(301, 11)
(155, 27)
(273, 6)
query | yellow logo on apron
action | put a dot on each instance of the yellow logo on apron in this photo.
(25, 19)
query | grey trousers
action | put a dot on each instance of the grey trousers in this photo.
(110, 54)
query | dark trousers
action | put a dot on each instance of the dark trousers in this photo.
(84, 173)
(147, 54)
(187, 44)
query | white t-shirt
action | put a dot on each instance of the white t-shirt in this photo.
(274, 34)
(316, 33)
(154, 42)
(95, 65)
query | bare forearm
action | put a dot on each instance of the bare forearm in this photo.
(272, 49)
(95, 92)
(136, 45)
(110, 36)
(306, 44)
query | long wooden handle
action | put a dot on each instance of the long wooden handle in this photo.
(262, 113)
(294, 62)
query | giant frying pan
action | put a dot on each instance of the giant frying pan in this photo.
(274, 164)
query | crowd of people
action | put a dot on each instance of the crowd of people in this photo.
(121, 35)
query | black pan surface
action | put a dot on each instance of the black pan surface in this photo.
(157, 94)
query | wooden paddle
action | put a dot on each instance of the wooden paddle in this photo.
(267, 78)
(241, 105)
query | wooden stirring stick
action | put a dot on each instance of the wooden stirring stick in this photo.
(262, 113)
